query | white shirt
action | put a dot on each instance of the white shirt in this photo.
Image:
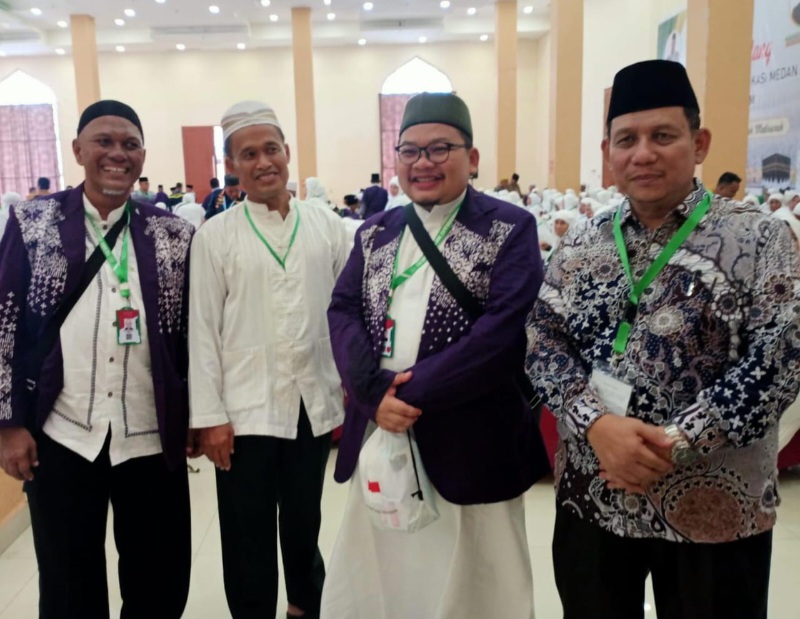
(191, 212)
(410, 299)
(258, 335)
(107, 386)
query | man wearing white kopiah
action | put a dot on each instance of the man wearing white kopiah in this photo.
(264, 389)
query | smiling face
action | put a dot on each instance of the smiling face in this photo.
(653, 154)
(427, 183)
(260, 159)
(110, 149)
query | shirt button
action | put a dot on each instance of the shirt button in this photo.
(110, 394)
(113, 290)
(105, 226)
(111, 360)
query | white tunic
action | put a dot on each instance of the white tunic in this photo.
(258, 335)
(472, 563)
(107, 386)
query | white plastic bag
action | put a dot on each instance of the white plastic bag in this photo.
(396, 489)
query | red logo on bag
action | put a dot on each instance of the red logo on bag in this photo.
(373, 486)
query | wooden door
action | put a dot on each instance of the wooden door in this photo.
(199, 161)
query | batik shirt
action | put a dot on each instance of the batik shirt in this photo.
(714, 348)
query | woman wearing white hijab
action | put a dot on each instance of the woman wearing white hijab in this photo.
(396, 195)
(316, 192)
(8, 200)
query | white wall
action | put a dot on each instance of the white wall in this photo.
(610, 43)
(171, 90)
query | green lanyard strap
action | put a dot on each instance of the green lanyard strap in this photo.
(120, 267)
(281, 261)
(400, 278)
(661, 261)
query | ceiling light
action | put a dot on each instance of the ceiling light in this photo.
(472, 10)
(213, 9)
(120, 48)
(60, 51)
(445, 4)
(180, 47)
(327, 2)
(241, 46)
(36, 11)
(331, 16)
(62, 24)
(527, 10)
(484, 37)
(130, 13)
(362, 41)
(368, 6)
(265, 2)
(423, 39)
(2, 52)
(119, 22)
(161, 1)
(273, 18)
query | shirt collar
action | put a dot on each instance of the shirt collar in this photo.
(262, 211)
(684, 209)
(440, 212)
(113, 217)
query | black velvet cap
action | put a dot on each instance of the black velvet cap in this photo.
(650, 85)
(109, 107)
(437, 107)
(231, 180)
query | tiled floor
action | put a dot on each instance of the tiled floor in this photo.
(18, 583)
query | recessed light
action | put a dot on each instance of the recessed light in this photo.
(445, 4)
(472, 10)
(2, 52)
(130, 13)
(331, 16)
(527, 10)
(368, 6)
(36, 11)
(62, 24)
(273, 18)
(161, 1)
(60, 51)
(423, 39)
(241, 46)
(120, 48)
(326, 2)
(362, 41)
(119, 22)
(213, 9)
(484, 37)
(265, 3)
(180, 47)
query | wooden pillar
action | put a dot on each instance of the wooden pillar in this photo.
(84, 59)
(719, 46)
(566, 94)
(302, 50)
(506, 52)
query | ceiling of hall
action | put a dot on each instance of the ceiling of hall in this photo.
(160, 25)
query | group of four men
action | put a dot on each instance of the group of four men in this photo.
(665, 340)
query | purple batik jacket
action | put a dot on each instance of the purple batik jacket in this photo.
(476, 435)
(42, 256)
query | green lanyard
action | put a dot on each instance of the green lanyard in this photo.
(638, 288)
(281, 261)
(400, 278)
(120, 268)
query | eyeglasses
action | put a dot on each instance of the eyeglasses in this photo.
(436, 153)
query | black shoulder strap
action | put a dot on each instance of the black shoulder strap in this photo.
(53, 329)
(457, 288)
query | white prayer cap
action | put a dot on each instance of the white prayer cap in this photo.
(10, 199)
(161, 205)
(246, 114)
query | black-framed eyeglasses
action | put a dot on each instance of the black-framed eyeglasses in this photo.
(439, 152)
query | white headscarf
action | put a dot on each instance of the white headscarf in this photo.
(316, 192)
(9, 199)
(401, 199)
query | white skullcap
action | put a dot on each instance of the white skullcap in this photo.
(10, 199)
(246, 114)
(161, 205)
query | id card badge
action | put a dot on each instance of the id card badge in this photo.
(388, 338)
(128, 331)
(614, 393)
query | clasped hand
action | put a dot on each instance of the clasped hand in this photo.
(393, 414)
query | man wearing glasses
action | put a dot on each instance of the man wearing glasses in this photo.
(412, 358)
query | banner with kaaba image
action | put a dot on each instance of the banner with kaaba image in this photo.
(773, 153)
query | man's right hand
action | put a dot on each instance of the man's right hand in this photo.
(393, 414)
(18, 455)
(622, 446)
(217, 443)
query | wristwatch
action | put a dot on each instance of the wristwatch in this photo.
(682, 452)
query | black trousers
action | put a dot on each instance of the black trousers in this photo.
(602, 576)
(270, 475)
(69, 499)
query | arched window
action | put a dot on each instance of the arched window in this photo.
(413, 77)
(29, 146)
